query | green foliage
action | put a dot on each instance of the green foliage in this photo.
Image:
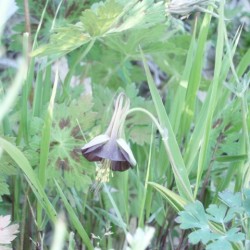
(64, 40)
(138, 127)
(198, 219)
(169, 139)
(70, 124)
(199, 146)
(98, 20)
(237, 202)
(246, 202)
(4, 187)
(101, 20)
(7, 169)
(68, 12)
(65, 160)
(227, 131)
(75, 221)
(19, 158)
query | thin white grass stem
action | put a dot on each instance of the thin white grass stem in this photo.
(54, 19)
(40, 24)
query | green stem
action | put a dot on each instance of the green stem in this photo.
(155, 121)
(40, 24)
(164, 135)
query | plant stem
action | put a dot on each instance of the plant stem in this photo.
(155, 121)
(27, 22)
(164, 135)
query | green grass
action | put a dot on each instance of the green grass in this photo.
(187, 150)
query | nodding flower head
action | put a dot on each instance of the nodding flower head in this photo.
(110, 148)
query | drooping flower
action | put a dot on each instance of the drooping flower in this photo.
(7, 232)
(110, 148)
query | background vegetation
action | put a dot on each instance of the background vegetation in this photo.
(183, 63)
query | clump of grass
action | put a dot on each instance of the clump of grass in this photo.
(187, 151)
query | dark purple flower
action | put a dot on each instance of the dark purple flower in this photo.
(110, 148)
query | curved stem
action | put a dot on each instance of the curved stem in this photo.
(155, 121)
(164, 135)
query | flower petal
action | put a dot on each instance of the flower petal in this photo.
(89, 150)
(4, 221)
(7, 232)
(126, 151)
(120, 165)
(110, 151)
(90, 157)
(98, 140)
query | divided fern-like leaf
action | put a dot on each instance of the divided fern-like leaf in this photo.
(225, 241)
(196, 218)
(104, 18)
(65, 158)
(220, 214)
(149, 40)
(99, 19)
(63, 40)
(140, 15)
(233, 200)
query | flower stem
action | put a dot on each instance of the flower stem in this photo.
(162, 131)
(164, 135)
